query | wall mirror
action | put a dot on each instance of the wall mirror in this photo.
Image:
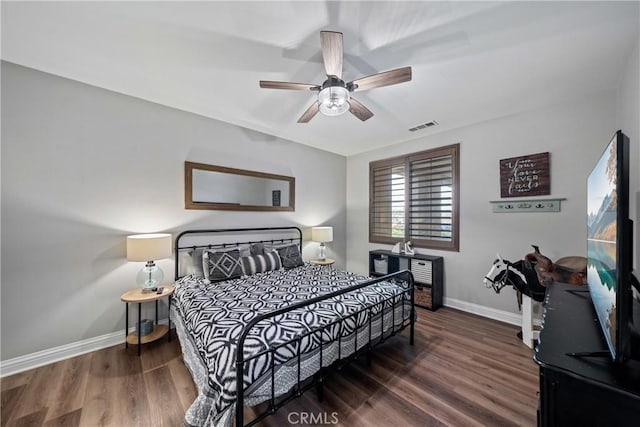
(221, 188)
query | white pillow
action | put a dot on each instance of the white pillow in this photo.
(185, 264)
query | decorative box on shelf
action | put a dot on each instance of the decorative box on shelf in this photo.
(381, 265)
(144, 327)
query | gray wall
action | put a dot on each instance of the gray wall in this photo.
(574, 133)
(628, 119)
(83, 167)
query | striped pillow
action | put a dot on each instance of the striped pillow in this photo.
(260, 263)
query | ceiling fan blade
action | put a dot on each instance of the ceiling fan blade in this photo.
(266, 84)
(386, 78)
(331, 43)
(310, 113)
(360, 111)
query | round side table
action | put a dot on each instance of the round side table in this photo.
(139, 297)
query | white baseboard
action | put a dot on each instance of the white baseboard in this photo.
(481, 310)
(45, 357)
(67, 351)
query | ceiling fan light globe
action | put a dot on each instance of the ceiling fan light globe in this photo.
(333, 100)
(334, 110)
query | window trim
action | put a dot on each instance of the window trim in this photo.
(405, 160)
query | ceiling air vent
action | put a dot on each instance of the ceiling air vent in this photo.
(423, 126)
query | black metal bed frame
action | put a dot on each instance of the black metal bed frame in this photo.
(177, 246)
(317, 379)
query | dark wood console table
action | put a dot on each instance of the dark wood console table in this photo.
(588, 391)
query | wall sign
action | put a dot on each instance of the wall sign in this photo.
(525, 176)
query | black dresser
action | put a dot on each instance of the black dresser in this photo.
(588, 391)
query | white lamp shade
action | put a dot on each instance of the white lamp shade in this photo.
(322, 234)
(148, 247)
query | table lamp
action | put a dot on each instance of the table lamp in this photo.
(149, 247)
(322, 235)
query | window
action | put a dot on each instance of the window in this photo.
(415, 198)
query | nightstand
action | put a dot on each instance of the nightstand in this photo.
(139, 297)
(326, 261)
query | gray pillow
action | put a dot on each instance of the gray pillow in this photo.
(198, 263)
(245, 250)
(221, 265)
(196, 255)
(290, 256)
(257, 249)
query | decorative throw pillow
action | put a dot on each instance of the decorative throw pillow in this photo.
(199, 268)
(260, 263)
(290, 256)
(196, 256)
(185, 264)
(245, 250)
(257, 249)
(221, 265)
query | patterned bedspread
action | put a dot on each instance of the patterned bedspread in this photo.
(210, 318)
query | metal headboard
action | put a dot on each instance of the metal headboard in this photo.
(214, 239)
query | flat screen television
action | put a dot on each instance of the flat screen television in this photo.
(610, 248)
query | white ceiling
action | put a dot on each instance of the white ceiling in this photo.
(472, 61)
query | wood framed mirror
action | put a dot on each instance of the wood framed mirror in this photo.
(214, 187)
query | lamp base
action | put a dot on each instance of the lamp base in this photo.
(149, 277)
(322, 252)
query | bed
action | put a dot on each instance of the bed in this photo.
(274, 331)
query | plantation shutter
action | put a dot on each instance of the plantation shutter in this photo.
(415, 198)
(431, 198)
(387, 201)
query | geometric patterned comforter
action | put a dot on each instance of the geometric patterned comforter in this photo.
(210, 317)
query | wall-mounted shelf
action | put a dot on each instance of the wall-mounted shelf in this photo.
(529, 205)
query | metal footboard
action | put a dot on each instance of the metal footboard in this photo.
(276, 402)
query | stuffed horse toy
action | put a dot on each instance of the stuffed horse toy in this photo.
(518, 275)
(525, 281)
(532, 275)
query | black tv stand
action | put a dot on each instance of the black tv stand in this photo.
(634, 282)
(581, 290)
(603, 353)
(584, 390)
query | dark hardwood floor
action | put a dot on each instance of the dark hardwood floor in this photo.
(463, 370)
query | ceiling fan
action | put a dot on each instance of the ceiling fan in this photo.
(334, 94)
